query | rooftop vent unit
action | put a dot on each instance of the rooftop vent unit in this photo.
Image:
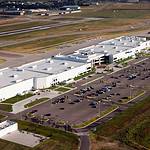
(20, 69)
(102, 46)
(16, 81)
(112, 43)
(14, 76)
(70, 67)
(50, 61)
(65, 63)
(115, 47)
(1, 73)
(49, 68)
(124, 43)
(33, 67)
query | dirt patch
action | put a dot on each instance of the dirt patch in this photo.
(104, 143)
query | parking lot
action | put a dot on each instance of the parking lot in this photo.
(91, 99)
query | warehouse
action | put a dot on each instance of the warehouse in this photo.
(114, 50)
(63, 68)
(38, 75)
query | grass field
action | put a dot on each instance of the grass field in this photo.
(17, 98)
(62, 89)
(2, 116)
(120, 19)
(116, 10)
(37, 101)
(59, 140)
(33, 46)
(6, 107)
(2, 60)
(25, 25)
(131, 127)
(86, 26)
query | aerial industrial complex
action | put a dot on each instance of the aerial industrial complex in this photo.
(64, 68)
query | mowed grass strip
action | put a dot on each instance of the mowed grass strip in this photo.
(78, 27)
(29, 47)
(2, 60)
(37, 101)
(25, 25)
(6, 107)
(17, 98)
(59, 140)
(116, 10)
(2, 116)
(6, 145)
(62, 89)
(130, 127)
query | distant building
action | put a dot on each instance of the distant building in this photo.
(70, 8)
(14, 11)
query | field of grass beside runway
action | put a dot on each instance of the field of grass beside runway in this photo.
(34, 46)
(130, 127)
(2, 60)
(116, 10)
(78, 27)
(25, 25)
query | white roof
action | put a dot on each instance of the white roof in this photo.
(114, 46)
(42, 68)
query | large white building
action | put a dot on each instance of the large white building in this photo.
(62, 68)
(38, 75)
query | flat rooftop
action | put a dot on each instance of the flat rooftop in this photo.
(51, 66)
(41, 68)
(9, 76)
(114, 46)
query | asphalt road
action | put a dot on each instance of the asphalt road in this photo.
(84, 142)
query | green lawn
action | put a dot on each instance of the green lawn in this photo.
(37, 101)
(2, 116)
(6, 145)
(82, 75)
(62, 89)
(131, 127)
(6, 107)
(28, 47)
(2, 60)
(116, 10)
(17, 98)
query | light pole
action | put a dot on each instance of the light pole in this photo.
(99, 110)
